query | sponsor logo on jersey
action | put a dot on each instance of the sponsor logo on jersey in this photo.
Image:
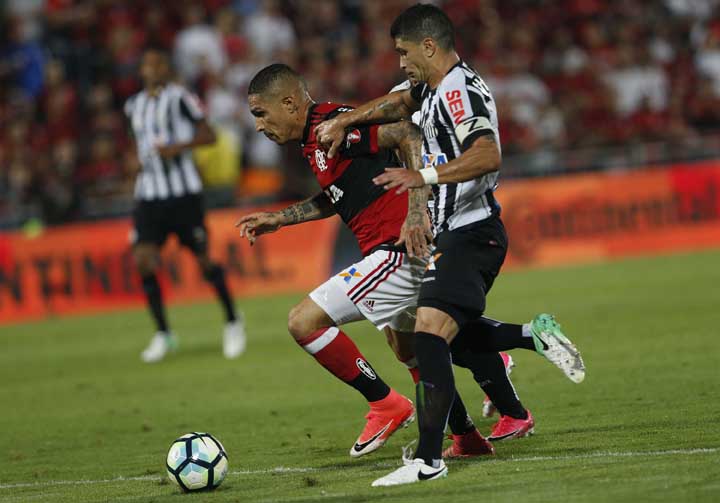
(369, 304)
(455, 104)
(434, 160)
(365, 368)
(353, 136)
(350, 274)
(320, 159)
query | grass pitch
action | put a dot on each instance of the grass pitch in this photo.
(82, 419)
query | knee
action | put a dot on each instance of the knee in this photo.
(298, 325)
(436, 322)
(146, 262)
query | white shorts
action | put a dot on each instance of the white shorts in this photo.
(382, 288)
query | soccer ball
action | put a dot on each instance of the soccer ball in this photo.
(197, 461)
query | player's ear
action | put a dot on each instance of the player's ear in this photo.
(429, 47)
(289, 104)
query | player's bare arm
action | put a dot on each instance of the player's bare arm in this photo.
(389, 108)
(314, 208)
(481, 158)
(416, 232)
(204, 135)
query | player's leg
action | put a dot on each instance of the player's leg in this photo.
(470, 441)
(489, 372)
(313, 328)
(542, 335)
(147, 236)
(452, 294)
(192, 233)
(234, 338)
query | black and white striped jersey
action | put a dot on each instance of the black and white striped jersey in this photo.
(452, 117)
(168, 117)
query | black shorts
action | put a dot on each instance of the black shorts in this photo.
(463, 268)
(154, 221)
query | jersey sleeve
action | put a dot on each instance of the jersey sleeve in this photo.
(128, 107)
(463, 103)
(191, 107)
(359, 140)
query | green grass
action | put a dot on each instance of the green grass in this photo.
(77, 404)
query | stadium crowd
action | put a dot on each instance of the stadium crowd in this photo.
(567, 74)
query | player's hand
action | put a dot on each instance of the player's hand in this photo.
(416, 233)
(401, 178)
(331, 135)
(256, 224)
(170, 150)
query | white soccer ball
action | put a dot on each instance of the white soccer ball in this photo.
(196, 462)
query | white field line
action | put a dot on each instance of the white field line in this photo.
(291, 470)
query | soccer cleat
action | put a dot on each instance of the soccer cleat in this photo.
(509, 427)
(160, 345)
(468, 445)
(489, 408)
(553, 345)
(234, 340)
(384, 419)
(412, 471)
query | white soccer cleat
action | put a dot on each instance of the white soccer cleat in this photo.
(234, 339)
(557, 348)
(160, 345)
(413, 471)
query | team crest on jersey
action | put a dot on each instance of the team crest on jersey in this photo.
(320, 159)
(353, 136)
(348, 276)
(365, 368)
(434, 160)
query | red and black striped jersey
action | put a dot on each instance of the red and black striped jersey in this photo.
(373, 214)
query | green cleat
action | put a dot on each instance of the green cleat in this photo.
(558, 349)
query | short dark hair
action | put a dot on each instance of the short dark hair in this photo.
(268, 77)
(424, 20)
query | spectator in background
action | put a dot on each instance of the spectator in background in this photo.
(198, 46)
(637, 82)
(270, 31)
(22, 60)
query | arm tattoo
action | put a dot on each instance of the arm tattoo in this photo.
(314, 208)
(406, 137)
(388, 108)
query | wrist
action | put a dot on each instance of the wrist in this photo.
(429, 175)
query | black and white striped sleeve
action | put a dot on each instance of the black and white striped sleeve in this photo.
(464, 101)
(191, 107)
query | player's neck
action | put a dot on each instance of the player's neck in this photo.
(441, 67)
(303, 116)
(154, 89)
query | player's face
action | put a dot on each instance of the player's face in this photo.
(412, 59)
(154, 68)
(271, 118)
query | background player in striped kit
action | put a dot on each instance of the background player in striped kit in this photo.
(167, 122)
(461, 151)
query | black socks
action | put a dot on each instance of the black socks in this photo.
(216, 277)
(435, 394)
(151, 287)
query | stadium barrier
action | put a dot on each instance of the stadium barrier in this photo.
(551, 221)
(599, 216)
(88, 267)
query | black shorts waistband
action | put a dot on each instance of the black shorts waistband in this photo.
(388, 247)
